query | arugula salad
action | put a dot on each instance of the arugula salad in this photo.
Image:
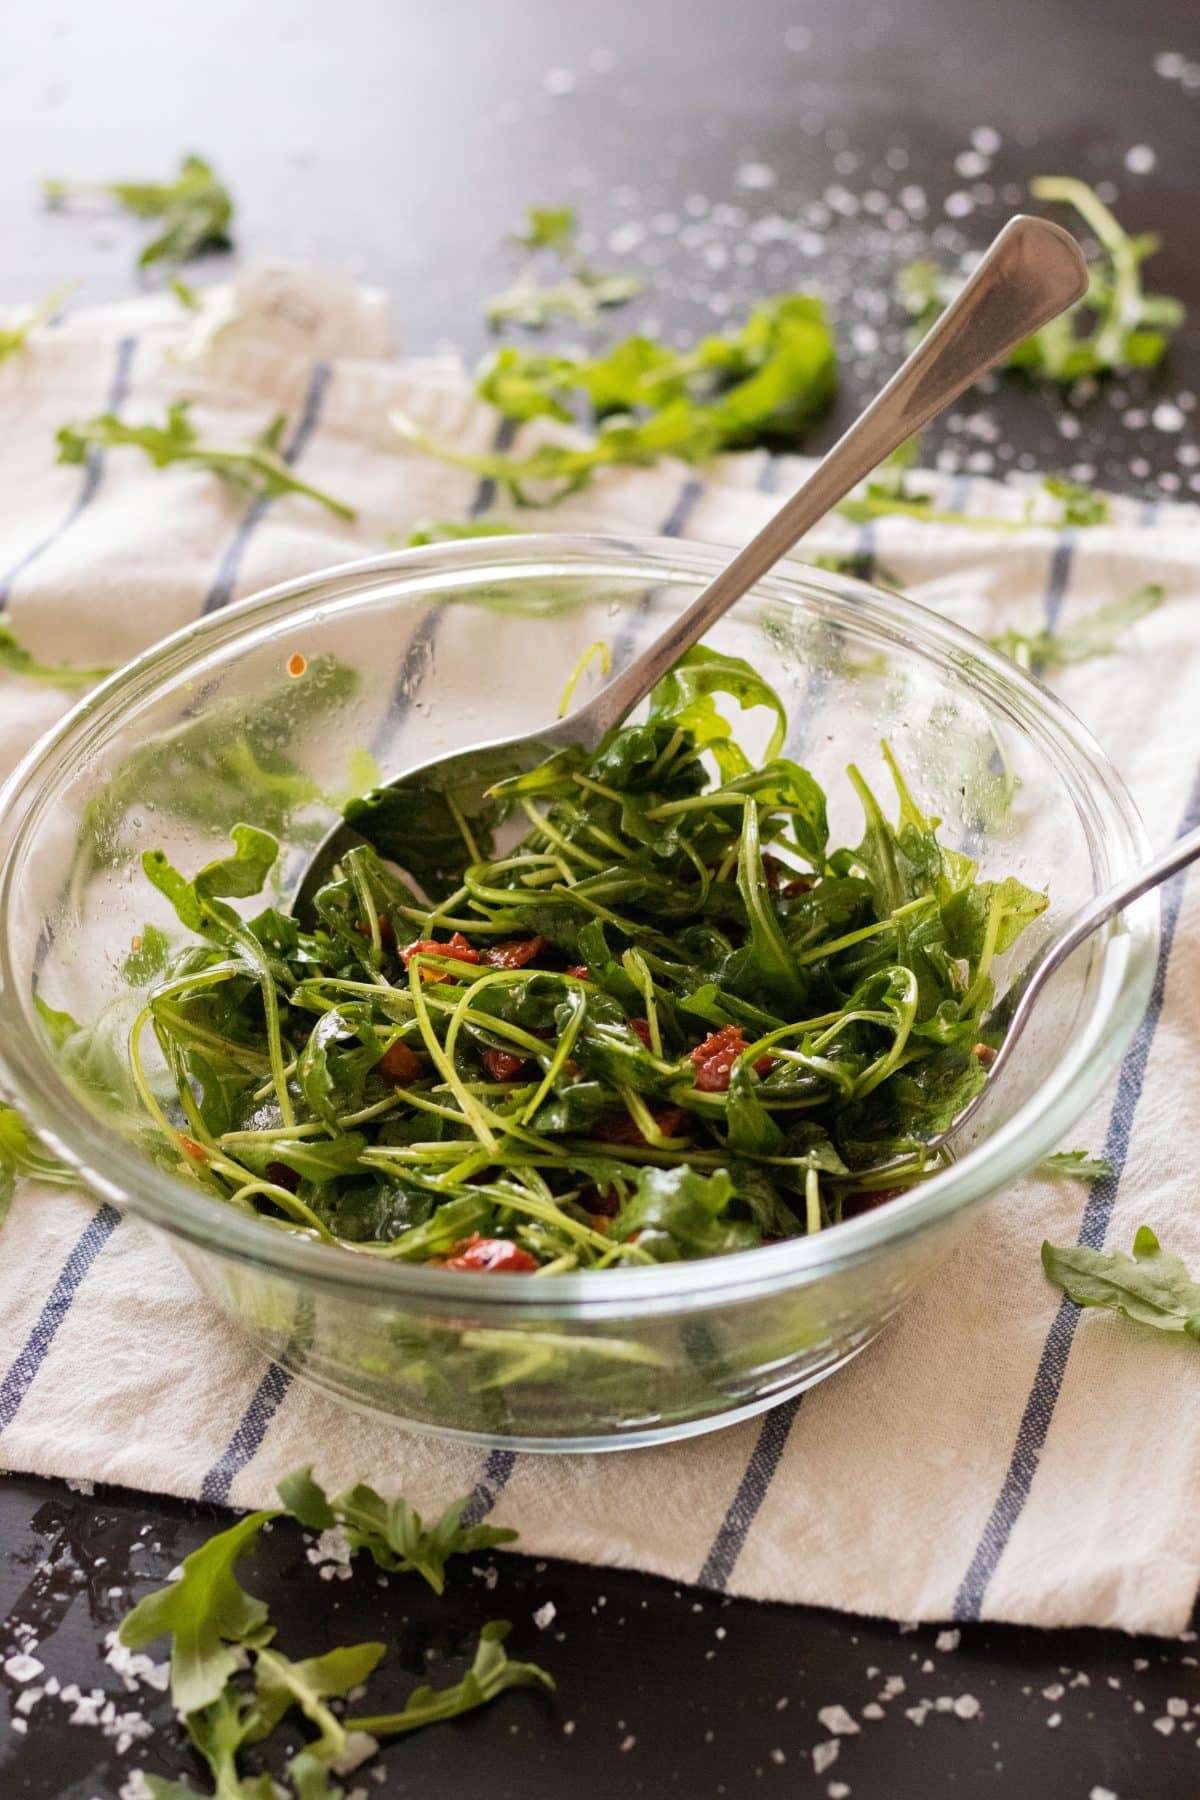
(671, 1021)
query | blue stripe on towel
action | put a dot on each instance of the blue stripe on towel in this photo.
(93, 472)
(497, 1473)
(247, 1439)
(1047, 1383)
(221, 591)
(744, 1508)
(32, 1354)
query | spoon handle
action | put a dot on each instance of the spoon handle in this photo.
(1032, 272)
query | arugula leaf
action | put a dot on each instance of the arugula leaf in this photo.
(579, 296)
(681, 1207)
(449, 531)
(490, 1674)
(759, 385)
(889, 494)
(1079, 1165)
(257, 469)
(205, 1613)
(16, 660)
(1116, 326)
(233, 877)
(22, 1154)
(684, 695)
(391, 1531)
(1078, 639)
(281, 1684)
(1150, 1286)
(196, 209)
(13, 337)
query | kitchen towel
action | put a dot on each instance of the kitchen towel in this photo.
(995, 1454)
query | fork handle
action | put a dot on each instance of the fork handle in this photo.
(1033, 271)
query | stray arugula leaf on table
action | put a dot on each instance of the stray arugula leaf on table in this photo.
(579, 296)
(1077, 1165)
(889, 494)
(392, 1531)
(758, 385)
(1078, 639)
(257, 468)
(1116, 326)
(231, 1684)
(15, 659)
(1149, 1285)
(196, 209)
(14, 337)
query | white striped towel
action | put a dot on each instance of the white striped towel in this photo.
(994, 1455)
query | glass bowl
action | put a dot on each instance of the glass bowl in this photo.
(410, 653)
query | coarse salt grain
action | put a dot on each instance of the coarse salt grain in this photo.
(947, 1640)
(545, 1616)
(837, 1720)
(825, 1755)
(966, 1706)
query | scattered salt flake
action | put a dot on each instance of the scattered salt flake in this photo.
(944, 1703)
(928, 1666)
(135, 1788)
(1141, 1662)
(1177, 1708)
(755, 175)
(19, 1725)
(1167, 417)
(545, 1616)
(628, 1741)
(1054, 1721)
(20, 1666)
(839, 1721)
(778, 1756)
(82, 1487)
(28, 1699)
(873, 1710)
(1140, 159)
(892, 1686)
(919, 1712)
(825, 1755)
(966, 1706)
(1055, 1691)
(358, 1747)
(1165, 1725)
(947, 1640)
(837, 1790)
(1102, 1793)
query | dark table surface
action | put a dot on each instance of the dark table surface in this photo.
(399, 144)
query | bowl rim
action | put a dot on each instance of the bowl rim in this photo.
(112, 1170)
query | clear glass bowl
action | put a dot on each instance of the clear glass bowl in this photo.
(431, 649)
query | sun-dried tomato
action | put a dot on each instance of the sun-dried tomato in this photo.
(800, 884)
(191, 1148)
(641, 1028)
(580, 971)
(495, 1255)
(856, 1204)
(283, 1177)
(399, 1064)
(458, 947)
(502, 1065)
(619, 1128)
(715, 1057)
(516, 954)
(387, 936)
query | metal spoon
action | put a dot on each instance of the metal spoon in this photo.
(1032, 272)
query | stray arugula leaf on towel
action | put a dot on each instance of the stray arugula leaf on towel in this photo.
(231, 1684)
(1148, 1286)
(1116, 326)
(579, 296)
(1098, 633)
(14, 337)
(450, 531)
(758, 385)
(21, 1154)
(1077, 1165)
(392, 1531)
(257, 468)
(196, 209)
(889, 494)
(16, 660)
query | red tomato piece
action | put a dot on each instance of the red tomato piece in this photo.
(495, 1255)
(283, 1177)
(641, 1028)
(458, 947)
(387, 936)
(192, 1149)
(502, 1065)
(579, 970)
(516, 954)
(620, 1128)
(399, 1064)
(715, 1057)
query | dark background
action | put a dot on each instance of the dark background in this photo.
(399, 143)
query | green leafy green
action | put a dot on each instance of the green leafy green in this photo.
(1115, 327)
(1081, 637)
(195, 209)
(579, 296)
(491, 1674)
(1078, 1165)
(759, 385)
(15, 659)
(257, 469)
(449, 531)
(1148, 1286)
(205, 1613)
(21, 1154)
(391, 1531)
(641, 1031)
(13, 338)
(889, 494)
